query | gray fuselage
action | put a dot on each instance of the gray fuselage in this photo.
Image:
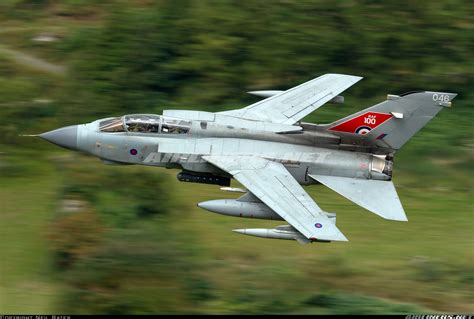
(302, 153)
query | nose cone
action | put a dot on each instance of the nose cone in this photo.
(65, 137)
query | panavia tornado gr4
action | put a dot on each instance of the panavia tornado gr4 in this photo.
(271, 152)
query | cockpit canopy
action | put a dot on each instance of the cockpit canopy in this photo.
(142, 123)
(145, 123)
(112, 125)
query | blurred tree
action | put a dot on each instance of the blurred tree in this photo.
(113, 235)
(76, 234)
(205, 54)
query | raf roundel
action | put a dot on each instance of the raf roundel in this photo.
(133, 151)
(362, 130)
(318, 225)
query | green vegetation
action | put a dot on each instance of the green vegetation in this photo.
(82, 237)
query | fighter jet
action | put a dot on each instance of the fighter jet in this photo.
(269, 150)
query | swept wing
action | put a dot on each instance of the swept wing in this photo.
(292, 105)
(273, 185)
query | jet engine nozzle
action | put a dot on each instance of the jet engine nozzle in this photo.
(381, 168)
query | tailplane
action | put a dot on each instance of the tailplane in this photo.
(379, 197)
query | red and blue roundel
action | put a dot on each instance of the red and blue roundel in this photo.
(362, 130)
(363, 123)
(318, 225)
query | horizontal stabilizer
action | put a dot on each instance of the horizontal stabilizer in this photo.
(379, 197)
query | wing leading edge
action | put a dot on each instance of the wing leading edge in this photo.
(290, 106)
(274, 186)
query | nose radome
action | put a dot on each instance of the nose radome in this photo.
(65, 137)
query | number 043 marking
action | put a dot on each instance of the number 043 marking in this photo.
(440, 97)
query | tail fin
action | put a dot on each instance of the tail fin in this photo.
(390, 124)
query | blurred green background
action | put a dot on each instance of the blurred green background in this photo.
(78, 236)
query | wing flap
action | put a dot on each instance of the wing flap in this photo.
(379, 197)
(274, 186)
